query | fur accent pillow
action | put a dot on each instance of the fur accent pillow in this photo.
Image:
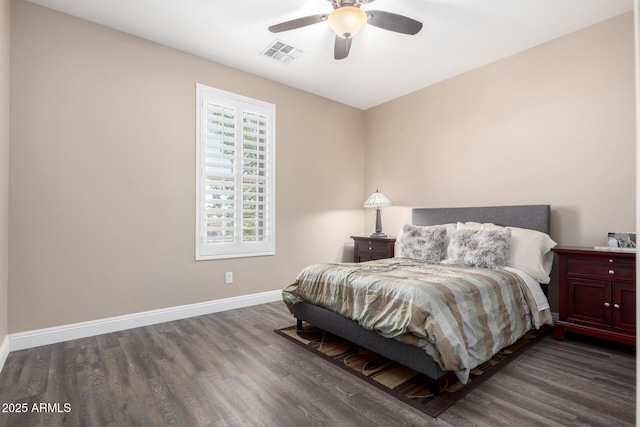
(480, 248)
(423, 243)
(529, 250)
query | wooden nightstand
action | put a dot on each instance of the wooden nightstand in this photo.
(366, 248)
(597, 293)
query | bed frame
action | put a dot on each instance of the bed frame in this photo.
(535, 217)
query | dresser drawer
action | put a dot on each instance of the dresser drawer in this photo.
(601, 269)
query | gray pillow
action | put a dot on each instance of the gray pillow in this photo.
(423, 243)
(480, 248)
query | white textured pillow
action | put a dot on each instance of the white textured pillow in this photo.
(480, 248)
(478, 226)
(422, 242)
(530, 250)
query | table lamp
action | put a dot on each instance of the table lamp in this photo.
(376, 201)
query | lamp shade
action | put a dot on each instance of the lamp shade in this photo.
(347, 21)
(377, 200)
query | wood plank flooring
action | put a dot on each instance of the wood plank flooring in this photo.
(230, 369)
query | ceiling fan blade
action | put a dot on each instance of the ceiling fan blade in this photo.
(341, 47)
(393, 22)
(297, 23)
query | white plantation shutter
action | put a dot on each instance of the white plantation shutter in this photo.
(235, 176)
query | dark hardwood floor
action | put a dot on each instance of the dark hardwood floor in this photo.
(230, 369)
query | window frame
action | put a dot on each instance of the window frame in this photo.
(242, 105)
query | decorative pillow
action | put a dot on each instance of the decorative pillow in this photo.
(529, 250)
(422, 243)
(480, 248)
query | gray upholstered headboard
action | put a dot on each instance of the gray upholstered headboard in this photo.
(534, 217)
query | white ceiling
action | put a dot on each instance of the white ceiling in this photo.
(458, 35)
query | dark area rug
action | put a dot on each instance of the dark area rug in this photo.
(399, 381)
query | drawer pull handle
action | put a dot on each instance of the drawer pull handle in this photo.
(612, 272)
(610, 260)
(606, 304)
(616, 305)
(370, 248)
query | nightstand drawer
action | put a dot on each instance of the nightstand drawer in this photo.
(601, 270)
(369, 246)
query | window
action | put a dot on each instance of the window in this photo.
(235, 183)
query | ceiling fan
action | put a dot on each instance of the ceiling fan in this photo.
(347, 19)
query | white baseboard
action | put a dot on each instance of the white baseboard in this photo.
(36, 338)
(4, 351)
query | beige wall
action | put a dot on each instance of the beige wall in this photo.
(103, 179)
(4, 163)
(552, 125)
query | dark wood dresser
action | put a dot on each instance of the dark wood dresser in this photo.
(597, 293)
(366, 248)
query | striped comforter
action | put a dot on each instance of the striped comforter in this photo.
(461, 316)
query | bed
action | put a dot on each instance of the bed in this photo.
(430, 308)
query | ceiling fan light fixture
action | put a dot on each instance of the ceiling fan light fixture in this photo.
(347, 21)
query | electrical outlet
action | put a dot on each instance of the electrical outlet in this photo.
(228, 277)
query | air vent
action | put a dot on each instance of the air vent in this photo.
(282, 52)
